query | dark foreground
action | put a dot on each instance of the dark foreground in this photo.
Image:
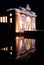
(34, 59)
(37, 58)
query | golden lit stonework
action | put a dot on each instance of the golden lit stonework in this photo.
(25, 19)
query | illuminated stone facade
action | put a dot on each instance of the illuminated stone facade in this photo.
(25, 19)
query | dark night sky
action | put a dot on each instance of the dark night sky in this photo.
(35, 5)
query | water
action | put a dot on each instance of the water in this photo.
(23, 51)
(23, 46)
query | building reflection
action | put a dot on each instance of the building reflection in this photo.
(11, 48)
(10, 53)
(28, 44)
(20, 45)
(4, 49)
(23, 46)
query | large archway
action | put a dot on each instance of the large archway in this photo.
(28, 23)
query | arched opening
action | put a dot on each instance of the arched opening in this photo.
(28, 24)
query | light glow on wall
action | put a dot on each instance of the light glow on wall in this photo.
(10, 14)
(20, 23)
(28, 23)
(4, 20)
(17, 22)
(10, 20)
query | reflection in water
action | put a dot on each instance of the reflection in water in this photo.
(20, 45)
(27, 44)
(11, 48)
(4, 49)
(10, 53)
(23, 46)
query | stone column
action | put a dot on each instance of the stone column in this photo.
(33, 23)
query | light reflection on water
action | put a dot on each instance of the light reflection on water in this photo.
(23, 45)
(4, 49)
